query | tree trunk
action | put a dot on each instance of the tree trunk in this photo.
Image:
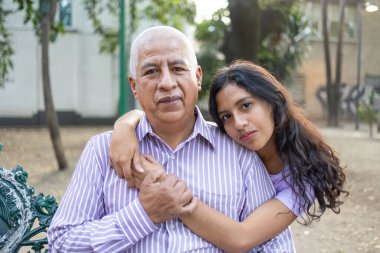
(242, 40)
(335, 88)
(48, 9)
(326, 46)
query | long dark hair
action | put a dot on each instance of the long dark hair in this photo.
(312, 162)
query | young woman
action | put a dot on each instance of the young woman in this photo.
(255, 110)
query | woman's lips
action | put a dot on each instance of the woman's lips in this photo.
(247, 135)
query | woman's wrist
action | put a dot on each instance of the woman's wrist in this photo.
(125, 123)
(129, 120)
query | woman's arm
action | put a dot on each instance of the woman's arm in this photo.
(124, 146)
(260, 226)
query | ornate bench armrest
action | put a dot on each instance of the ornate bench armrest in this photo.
(19, 209)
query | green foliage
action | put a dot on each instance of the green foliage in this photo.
(367, 111)
(282, 57)
(171, 12)
(279, 55)
(6, 50)
(109, 34)
(209, 33)
(167, 12)
(209, 63)
(32, 15)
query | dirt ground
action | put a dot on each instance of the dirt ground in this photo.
(355, 229)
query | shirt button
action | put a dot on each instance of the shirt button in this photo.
(172, 157)
(172, 226)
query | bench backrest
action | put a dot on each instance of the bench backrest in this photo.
(19, 209)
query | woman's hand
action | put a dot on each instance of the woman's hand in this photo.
(149, 164)
(124, 147)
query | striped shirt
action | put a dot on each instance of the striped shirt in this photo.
(99, 213)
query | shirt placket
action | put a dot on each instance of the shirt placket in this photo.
(172, 225)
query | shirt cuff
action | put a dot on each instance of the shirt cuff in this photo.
(134, 222)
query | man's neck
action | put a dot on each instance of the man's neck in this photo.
(175, 133)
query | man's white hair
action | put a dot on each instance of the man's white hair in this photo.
(158, 32)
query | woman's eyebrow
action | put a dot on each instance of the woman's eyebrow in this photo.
(236, 103)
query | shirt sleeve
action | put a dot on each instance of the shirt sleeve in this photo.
(286, 194)
(81, 224)
(259, 189)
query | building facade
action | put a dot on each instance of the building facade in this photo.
(313, 70)
(85, 83)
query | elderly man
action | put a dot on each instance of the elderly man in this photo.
(99, 213)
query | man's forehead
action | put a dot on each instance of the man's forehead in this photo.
(170, 60)
(165, 53)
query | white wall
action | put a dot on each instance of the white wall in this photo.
(82, 80)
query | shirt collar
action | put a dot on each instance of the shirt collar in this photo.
(200, 128)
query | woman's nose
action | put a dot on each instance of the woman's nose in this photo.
(240, 122)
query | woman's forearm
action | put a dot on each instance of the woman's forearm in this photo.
(263, 224)
(130, 119)
(124, 146)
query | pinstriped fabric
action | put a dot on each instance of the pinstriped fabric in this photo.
(100, 213)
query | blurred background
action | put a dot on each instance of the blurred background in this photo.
(288, 37)
(63, 78)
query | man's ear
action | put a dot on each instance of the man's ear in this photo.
(132, 83)
(198, 75)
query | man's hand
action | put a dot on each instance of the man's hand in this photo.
(166, 199)
(149, 164)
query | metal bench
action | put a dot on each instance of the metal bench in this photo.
(20, 209)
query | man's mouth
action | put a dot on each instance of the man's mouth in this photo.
(168, 99)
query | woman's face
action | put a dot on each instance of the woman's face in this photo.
(246, 119)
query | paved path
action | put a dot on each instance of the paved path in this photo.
(356, 229)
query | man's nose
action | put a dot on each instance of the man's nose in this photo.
(167, 80)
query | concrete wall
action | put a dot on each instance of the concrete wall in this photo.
(83, 81)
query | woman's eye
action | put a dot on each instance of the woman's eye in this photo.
(246, 106)
(225, 117)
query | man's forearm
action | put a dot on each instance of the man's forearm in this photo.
(84, 223)
(117, 231)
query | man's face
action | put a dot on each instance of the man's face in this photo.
(166, 83)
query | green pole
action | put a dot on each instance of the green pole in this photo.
(122, 68)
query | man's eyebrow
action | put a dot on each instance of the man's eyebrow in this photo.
(148, 65)
(177, 61)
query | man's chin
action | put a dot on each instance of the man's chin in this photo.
(171, 116)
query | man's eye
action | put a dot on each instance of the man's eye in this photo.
(150, 71)
(177, 69)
